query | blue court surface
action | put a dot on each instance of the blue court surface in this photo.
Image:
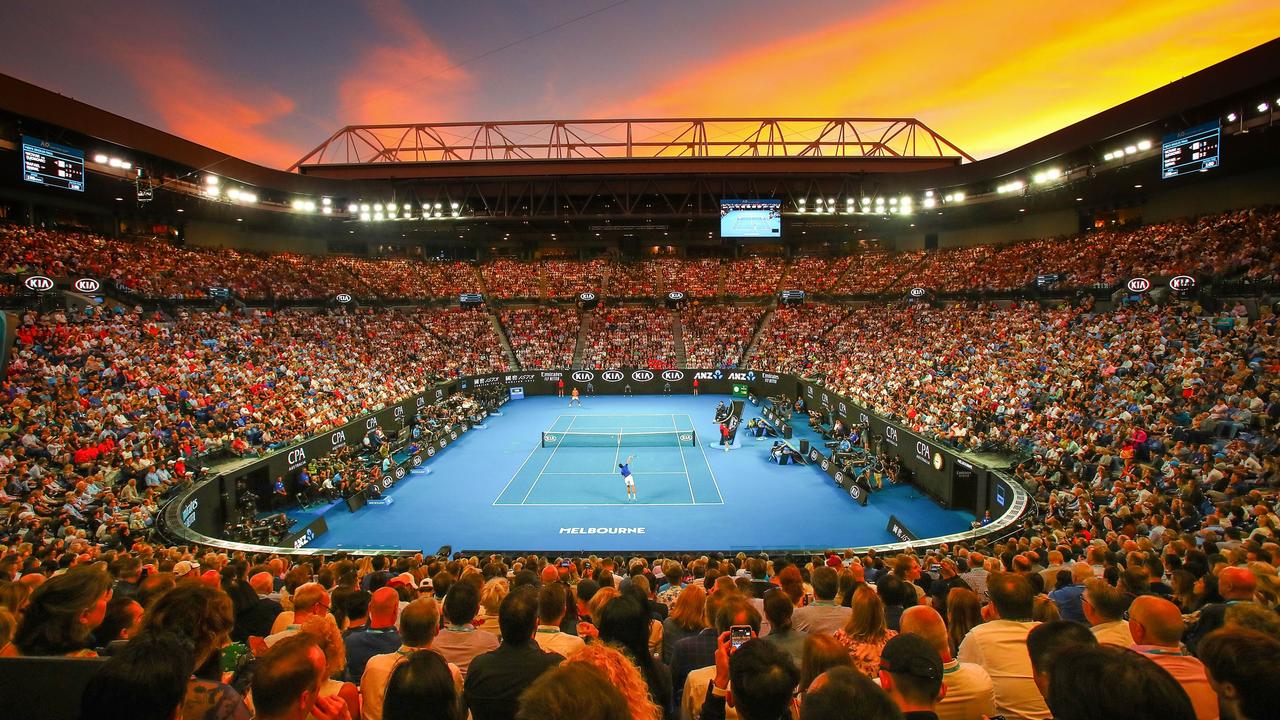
(544, 477)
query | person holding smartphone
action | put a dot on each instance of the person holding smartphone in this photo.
(753, 676)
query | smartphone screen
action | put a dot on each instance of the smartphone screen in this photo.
(739, 634)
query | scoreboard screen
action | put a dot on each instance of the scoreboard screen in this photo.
(52, 165)
(1192, 150)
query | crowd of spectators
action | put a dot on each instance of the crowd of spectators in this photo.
(795, 336)
(753, 276)
(871, 273)
(627, 336)
(505, 278)
(1022, 629)
(817, 274)
(695, 278)
(402, 279)
(568, 278)
(540, 336)
(635, 279)
(716, 336)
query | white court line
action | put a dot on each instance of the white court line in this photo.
(517, 472)
(680, 447)
(549, 457)
(610, 474)
(618, 504)
(708, 462)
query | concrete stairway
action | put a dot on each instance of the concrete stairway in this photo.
(584, 324)
(677, 334)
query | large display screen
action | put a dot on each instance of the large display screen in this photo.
(751, 218)
(52, 165)
(1192, 150)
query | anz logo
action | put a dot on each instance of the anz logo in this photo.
(87, 285)
(611, 375)
(38, 283)
(704, 375)
(672, 375)
(304, 538)
(584, 376)
(642, 375)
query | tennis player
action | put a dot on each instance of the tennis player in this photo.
(573, 398)
(628, 478)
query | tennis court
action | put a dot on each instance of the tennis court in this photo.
(574, 462)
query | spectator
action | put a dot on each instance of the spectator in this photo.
(1234, 585)
(1046, 641)
(622, 674)
(866, 632)
(1104, 608)
(964, 613)
(969, 690)
(63, 613)
(496, 678)
(324, 633)
(625, 623)
(1156, 625)
(419, 624)
(911, 673)
(1134, 687)
(309, 601)
(145, 680)
(552, 604)
(778, 609)
(377, 637)
(573, 692)
(758, 680)
(459, 642)
(423, 686)
(1242, 671)
(687, 618)
(691, 672)
(821, 653)
(287, 681)
(823, 615)
(842, 693)
(1000, 646)
(1070, 599)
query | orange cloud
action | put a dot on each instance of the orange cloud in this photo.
(987, 74)
(405, 78)
(198, 104)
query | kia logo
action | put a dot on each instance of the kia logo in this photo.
(583, 376)
(343, 298)
(1182, 282)
(1138, 285)
(677, 295)
(642, 376)
(38, 283)
(87, 285)
(917, 292)
(611, 375)
(672, 376)
(587, 296)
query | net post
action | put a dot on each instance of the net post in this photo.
(693, 437)
(544, 439)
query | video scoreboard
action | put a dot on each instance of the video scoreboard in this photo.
(52, 165)
(1192, 150)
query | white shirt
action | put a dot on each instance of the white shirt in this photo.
(970, 692)
(1000, 647)
(1113, 633)
(377, 674)
(695, 693)
(550, 639)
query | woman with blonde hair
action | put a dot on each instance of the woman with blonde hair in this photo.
(687, 618)
(324, 631)
(866, 633)
(964, 612)
(623, 674)
(1268, 592)
(491, 596)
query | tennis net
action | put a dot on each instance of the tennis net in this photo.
(661, 438)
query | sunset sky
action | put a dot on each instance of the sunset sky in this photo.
(267, 81)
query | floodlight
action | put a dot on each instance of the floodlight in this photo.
(233, 193)
(1231, 117)
(1262, 106)
(1144, 145)
(100, 158)
(211, 180)
(326, 201)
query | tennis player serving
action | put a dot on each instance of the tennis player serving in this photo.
(628, 478)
